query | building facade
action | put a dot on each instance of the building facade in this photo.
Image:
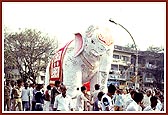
(150, 69)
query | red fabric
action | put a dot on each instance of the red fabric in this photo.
(55, 69)
(87, 85)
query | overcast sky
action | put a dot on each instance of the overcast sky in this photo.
(146, 21)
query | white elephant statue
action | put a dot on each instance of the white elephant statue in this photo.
(86, 58)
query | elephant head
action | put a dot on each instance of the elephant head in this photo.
(95, 41)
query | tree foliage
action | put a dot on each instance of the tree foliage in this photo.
(131, 46)
(27, 51)
(155, 49)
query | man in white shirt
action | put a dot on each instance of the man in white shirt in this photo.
(25, 97)
(152, 107)
(62, 101)
(107, 99)
(129, 99)
(135, 104)
(81, 98)
(146, 99)
(95, 92)
(32, 86)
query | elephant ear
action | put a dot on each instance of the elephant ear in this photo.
(79, 44)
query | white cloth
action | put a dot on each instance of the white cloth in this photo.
(107, 103)
(63, 104)
(31, 93)
(94, 95)
(80, 102)
(46, 106)
(127, 101)
(74, 98)
(149, 108)
(124, 97)
(25, 94)
(146, 100)
(133, 106)
(159, 105)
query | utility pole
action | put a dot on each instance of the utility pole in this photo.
(136, 63)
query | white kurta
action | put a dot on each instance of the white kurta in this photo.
(80, 102)
(133, 106)
(63, 104)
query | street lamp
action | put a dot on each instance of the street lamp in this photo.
(136, 65)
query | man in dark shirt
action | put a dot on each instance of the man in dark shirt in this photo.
(55, 91)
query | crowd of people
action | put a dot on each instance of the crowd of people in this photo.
(19, 96)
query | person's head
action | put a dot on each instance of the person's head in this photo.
(57, 83)
(83, 89)
(7, 82)
(111, 89)
(132, 93)
(100, 94)
(39, 86)
(124, 91)
(153, 101)
(48, 87)
(130, 89)
(161, 97)
(118, 92)
(148, 93)
(19, 82)
(138, 97)
(63, 89)
(33, 85)
(12, 82)
(97, 86)
(26, 85)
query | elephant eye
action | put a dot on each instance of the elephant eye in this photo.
(93, 42)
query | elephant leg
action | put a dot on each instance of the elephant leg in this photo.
(72, 80)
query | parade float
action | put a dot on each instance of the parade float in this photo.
(85, 59)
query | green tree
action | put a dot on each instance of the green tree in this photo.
(27, 51)
(131, 46)
(155, 49)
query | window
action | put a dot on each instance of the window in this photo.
(125, 58)
(116, 56)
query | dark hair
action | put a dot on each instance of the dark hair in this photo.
(161, 97)
(118, 91)
(57, 82)
(19, 81)
(129, 90)
(132, 92)
(97, 86)
(153, 98)
(12, 81)
(83, 88)
(26, 83)
(111, 88)
(138, 97)
(100, 94)
(63, 87)
(39, 86)
(49, 87)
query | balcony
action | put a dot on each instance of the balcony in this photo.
(117, 77)
(148, 80)
(120, 62)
